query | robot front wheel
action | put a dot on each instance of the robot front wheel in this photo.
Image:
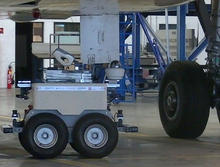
(44, 136)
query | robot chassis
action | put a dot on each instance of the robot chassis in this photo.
(63, 112)
(188, 90)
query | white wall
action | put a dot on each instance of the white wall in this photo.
(7, 50)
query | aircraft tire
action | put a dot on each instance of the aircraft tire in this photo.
(184, 100)
(46, 136)
(218, 114)
(73, 145)
(95, 136)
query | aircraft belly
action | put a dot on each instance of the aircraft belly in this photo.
(73, 5)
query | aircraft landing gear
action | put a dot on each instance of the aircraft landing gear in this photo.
(187, 91)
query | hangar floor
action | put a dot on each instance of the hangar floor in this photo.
(149, 147)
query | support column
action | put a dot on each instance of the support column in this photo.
(122, 52)
(137, 43)
(122, 39)
(181, 27)
(99, 31)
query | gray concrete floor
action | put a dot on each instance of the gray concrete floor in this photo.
(149, 147)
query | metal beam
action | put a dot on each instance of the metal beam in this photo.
(181, 27)
(204, 17)
(149, 28)
(137, 43)
(122, 51)
(153, 43)
(167, 36)
(197, 50)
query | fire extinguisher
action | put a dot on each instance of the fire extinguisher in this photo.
(9, 77)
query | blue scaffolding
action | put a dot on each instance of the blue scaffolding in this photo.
(130, 25)
(127, 57)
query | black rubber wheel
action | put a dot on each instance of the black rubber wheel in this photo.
(95, 136)
(218, 113)
(22, 141)
(46, 136)
(184, 100)
(20, 135)
(74, 147)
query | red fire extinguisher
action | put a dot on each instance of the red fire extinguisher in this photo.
(9, 77)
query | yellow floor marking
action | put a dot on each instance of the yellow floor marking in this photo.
(5, 117)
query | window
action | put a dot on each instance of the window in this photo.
(38, 32)
(67, 27)
(72, 29)
(171, 26)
